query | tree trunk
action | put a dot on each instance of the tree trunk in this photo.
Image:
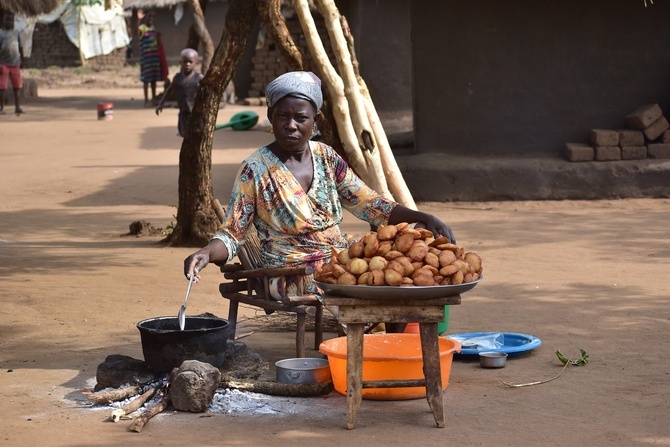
(193, 40)
(196, 218)
(201, 30)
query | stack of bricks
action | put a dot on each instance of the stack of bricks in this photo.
(268, 62)
(648, 136)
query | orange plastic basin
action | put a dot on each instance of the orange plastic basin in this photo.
(388, 357)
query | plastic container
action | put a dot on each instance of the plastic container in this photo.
(413, 328)
(105, 111)
(388, 357)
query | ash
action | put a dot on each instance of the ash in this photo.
(236, 402)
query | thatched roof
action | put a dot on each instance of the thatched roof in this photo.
(150, 4)
(154, 4)
(30, 8)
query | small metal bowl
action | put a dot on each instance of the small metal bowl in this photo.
(492, 359)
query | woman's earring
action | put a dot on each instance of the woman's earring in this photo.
(314, 130)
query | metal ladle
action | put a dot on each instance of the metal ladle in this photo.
(182, 311)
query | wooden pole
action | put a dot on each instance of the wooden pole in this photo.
(336, 89)
(394, 178)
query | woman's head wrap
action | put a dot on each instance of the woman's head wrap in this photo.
(299, 84)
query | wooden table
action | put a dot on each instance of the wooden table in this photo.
(356, 312)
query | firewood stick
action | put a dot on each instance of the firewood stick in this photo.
(107, 397)
(150, 412)
(132, 406)
(280, 389)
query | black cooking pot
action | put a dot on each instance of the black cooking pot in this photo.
(165, 346)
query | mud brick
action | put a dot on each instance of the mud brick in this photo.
(608, 153)
(633, 152)
(628, 137)
(579, 152)
(656, 129)
(644, 116)
(658, 150)
(602, 137)
(665, 138)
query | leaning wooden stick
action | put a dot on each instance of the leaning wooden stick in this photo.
(107, 397)
(141, 420)
(133, 406)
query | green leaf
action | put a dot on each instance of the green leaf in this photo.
(583, 360)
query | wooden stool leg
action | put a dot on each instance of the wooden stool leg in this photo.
(432, 370)
(300, 335)
(355, 333)
(318, 327)
(232, 319)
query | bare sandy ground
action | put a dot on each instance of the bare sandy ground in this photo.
(591, 275)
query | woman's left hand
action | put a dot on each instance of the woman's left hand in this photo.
(437, 227)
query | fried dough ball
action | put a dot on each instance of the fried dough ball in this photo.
(407, 265)
(439, 241)
(387, 233)
(363, 279)
(393, 254)
(397, 266)
(371, 244)
(416, 234)
(432, 259)
(457, 278)
(418, 251)
(376, 278)
(423, 280)
(338, 270)
(392, 277)
(474, 260)
(463, 266)
(449, 270)
(356, 249)
(357, 266)
(343, 257)
(446, 257)
(471, 277)
(347, 279)
(407, 281)
(378, 263)
(401, 226)
(404, 243)
(425, 233)
(384, 248)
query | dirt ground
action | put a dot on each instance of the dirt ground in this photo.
(591, 275)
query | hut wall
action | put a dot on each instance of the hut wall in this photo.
(525, 77)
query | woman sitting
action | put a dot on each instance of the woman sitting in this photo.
(293, 191)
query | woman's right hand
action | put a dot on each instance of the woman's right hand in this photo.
(215, 251)
(195, 263)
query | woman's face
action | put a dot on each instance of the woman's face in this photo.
(292, 123)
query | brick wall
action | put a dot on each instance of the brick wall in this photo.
(51, 47)
(268, 62)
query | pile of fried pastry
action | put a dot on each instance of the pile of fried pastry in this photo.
(398, 255)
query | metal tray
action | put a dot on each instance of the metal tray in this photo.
(396, 292)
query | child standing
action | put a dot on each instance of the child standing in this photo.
(184, 85)
(153, 67)
(10, 61)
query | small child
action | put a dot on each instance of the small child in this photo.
(10, 61)
(184, 85)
